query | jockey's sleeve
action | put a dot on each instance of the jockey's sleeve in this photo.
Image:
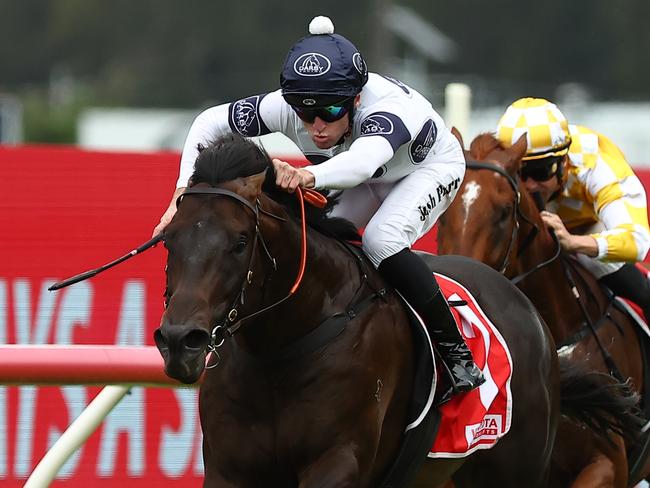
(354, 166)
(620, 202)
(253, 116)
(207, 127)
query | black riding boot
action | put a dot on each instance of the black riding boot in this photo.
(629, 282)
(451, 345)
(410, 275)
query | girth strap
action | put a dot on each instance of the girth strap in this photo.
(327, 330)
(335, 325)
(586, 330)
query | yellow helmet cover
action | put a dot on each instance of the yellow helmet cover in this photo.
(546, 128)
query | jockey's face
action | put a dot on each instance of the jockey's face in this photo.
(326, 134)
(545, 187)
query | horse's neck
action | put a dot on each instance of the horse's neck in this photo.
(330, 280)
(550, 290)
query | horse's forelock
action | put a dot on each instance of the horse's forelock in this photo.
(232, 156)
(228, 158)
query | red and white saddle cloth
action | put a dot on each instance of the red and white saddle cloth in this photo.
(479, 418)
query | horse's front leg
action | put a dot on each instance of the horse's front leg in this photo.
(336, 468)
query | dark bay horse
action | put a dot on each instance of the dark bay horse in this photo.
(495, 220)
(284, 401)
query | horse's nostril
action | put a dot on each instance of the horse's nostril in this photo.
(159, 339)
(197, 339)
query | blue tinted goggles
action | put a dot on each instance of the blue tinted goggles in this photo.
(328, 113)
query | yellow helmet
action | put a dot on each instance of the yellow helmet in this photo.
(546, 129)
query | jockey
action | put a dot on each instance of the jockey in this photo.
(597, 204)
(377, 140)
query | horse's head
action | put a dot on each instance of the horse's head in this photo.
(212, 252)
(482, 222)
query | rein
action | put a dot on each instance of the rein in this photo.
(589, 323)
(326, 330)
(231, 318)
(514, 184)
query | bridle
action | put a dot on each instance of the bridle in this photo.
(231, 323)
(517, 214)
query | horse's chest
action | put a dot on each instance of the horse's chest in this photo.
(269, 420)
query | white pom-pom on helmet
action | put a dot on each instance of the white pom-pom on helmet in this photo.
(321, 25)
(322, 68)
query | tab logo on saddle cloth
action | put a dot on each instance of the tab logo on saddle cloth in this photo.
(490, 428)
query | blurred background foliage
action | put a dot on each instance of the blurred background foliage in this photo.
(62, 55)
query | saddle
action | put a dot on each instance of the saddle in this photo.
(469, 421)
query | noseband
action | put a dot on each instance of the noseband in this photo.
(514, 184)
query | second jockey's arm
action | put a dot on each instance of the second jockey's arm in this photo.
(573, 243)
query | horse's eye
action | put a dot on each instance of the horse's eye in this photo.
(505, 212)
(241, 244)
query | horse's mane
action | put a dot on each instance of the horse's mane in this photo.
(484, 144)
(232, 156)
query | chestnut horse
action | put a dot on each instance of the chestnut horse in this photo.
(495, 220)
(311, 375)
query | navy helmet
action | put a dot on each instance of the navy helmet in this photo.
(322, 69)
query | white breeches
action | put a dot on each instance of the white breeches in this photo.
(397, 214)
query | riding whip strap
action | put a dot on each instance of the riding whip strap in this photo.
(93, 272)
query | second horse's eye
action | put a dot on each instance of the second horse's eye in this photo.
(241, 244)
(505, 212)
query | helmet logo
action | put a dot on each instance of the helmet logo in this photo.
(359, 64)
(312, 64)
(557, 139)
(309, 101)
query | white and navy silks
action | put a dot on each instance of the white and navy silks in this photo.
(400, 167)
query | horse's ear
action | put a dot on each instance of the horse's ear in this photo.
(458, 136)
(518, 149)
(252, 186)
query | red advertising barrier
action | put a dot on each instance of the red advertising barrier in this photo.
(64, 211)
